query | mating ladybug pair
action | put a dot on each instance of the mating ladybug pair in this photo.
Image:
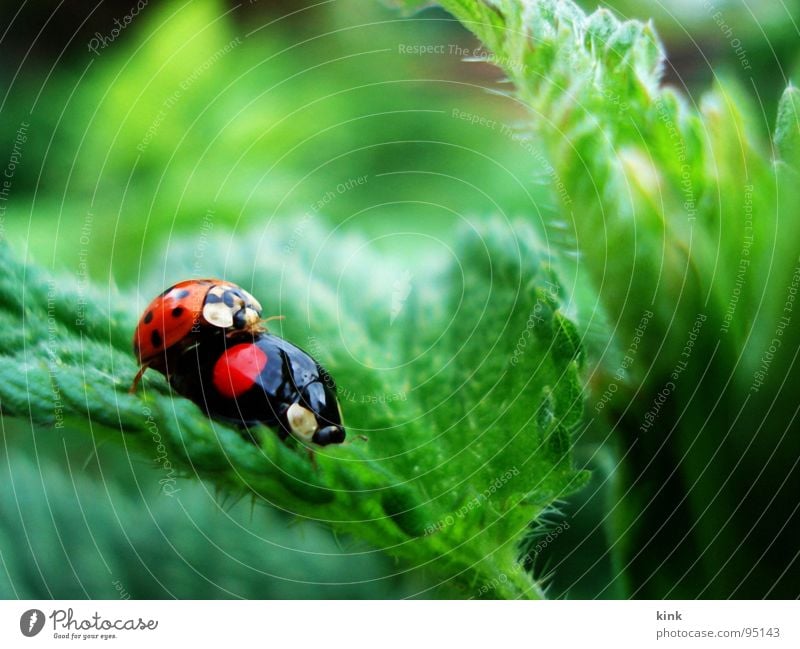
(208, 339)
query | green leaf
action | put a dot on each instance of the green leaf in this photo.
(446, 370)
(787, 126)
(684, 213)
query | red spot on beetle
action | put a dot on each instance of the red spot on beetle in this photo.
(238, 368)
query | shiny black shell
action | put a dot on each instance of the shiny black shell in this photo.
(258, 393)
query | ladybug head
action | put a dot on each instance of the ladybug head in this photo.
(329, 435)
(229, 306)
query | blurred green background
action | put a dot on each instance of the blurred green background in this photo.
(204, 116)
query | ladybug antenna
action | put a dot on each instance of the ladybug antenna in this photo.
(272, 317)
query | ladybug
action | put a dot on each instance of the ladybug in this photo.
(208, 339)
(251, 379)
(178, 316)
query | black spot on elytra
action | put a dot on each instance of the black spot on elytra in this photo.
(177, 312)
(148, 317)
(155, 338)
(182, 294)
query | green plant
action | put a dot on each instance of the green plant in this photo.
(469, 438)
(104, 530)
(475, 381)
(682, 211)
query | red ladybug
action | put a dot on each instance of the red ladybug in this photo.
(180, 314)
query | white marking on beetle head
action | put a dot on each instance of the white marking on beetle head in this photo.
(251, 316)
(302, 422)
(218, 314)
(221, 315)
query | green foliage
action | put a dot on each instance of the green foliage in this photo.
(465, 446)
(682, 210)
(653, 183)
(196, 110)
(787, 127)
(466, 375)
(104, 530)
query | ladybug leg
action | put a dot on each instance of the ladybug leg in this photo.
(303, 424)
(312, 456)
(249, 435)
(137, 378)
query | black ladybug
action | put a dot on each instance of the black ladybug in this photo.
(259, 378)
